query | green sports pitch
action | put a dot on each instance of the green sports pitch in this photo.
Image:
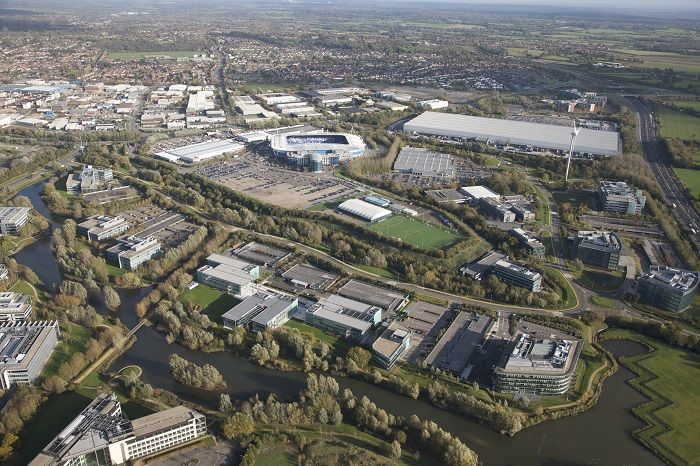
(415, 232)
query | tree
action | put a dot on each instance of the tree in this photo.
(111, 297)
(225, 404)
(393, 450)
(6, 445)
(237, 426)
(360, 356)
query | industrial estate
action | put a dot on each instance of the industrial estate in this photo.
(297, 233)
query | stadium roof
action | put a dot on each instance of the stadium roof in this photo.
(316, 142)
(362, 209)
(522, 133)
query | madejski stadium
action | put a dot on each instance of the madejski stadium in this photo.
(317, 151)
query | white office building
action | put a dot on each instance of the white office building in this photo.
(25, 347)
(101, 435)
(14, 307)
(229, 274)
(12, 219)
(617, 196)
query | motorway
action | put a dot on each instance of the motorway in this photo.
(671, 187)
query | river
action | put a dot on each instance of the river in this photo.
(600, 436)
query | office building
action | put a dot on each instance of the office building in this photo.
(25, 347)
(394, 341)
(229, 274)
(131, 252)
(348, 318)
(89, 179)
(598, 248)
(102, 227)
(495, 209)
(517, 275)
(14, 307)
(462, 338)
(102, 435)
(4, 272)
(521, 134)
(12, 219)
(669, 289)
(274, 98)
(538, 364)
(532, 245)
(262, 310)
(419, 161)
(617, 196)
(364, 210)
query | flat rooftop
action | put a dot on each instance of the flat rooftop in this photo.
(425, 162)
(456, 347)
(599, 239)
(372, 294)
(544, 356)
(308, 275)
(391, 339)
(683, 280)
(261, 253)
(161, 421)
(512, 132)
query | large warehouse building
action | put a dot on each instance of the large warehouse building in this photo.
(535, 136)
(194, 153)
(364, 210)
(317, 151)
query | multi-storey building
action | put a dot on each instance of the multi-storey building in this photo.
(533, 246)
(102, 227)
(260, 311)
(598, 248)
(102, 435)
(130, 253)
(517, 275)
(497, 210)
(12, 219)
(229, 274)
(617, 196)
(25, 347)
(668, 289)
(14, 307)
(543, 366)
(391, 344)
(90, 179)
(345, 317)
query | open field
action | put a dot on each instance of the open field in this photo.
(660, 60)
(24, 287)
(575, 199)
(692, 105)
(598, 279)
(679, 125)
(690, 178)
(415, 232)
(214, 303)
(666, 375)
(140, 55)
(340, 346)
(74, 339)
(602, 301)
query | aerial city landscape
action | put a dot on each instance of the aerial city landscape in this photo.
(349, 233)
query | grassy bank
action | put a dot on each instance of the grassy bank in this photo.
(668, 376)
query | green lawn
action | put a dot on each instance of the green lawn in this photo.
(690, 178)
(376, 270)
(23, 287)
(568, 293)
(575, 199)
(602, 301)
(212, 301)
(139, 55)
(340, 345)
(679, 125)
(542, 212)
(668, 376)
(74, 339)
(692, 105)
(598, 279)
(415, 232)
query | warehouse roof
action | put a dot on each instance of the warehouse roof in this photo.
(553, 137)
(364, 209)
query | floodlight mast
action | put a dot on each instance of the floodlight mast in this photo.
(574, 133)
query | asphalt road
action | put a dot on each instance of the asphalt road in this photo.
(672, 188)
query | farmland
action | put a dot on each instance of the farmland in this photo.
(690, 178)
(679, 125)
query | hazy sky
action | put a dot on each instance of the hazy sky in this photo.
(598, 4)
